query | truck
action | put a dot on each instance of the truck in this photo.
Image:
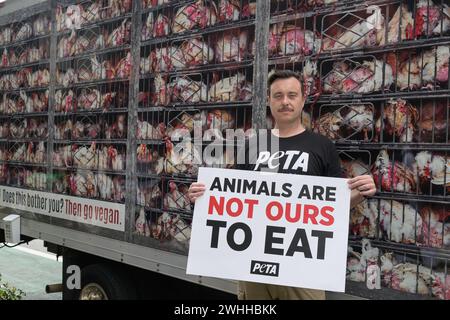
(95, 95)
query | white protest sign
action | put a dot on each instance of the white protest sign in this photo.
(272, 228)
(98, 213)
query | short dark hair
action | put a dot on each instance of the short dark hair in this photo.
(284, 74)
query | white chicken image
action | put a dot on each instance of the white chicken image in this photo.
(83, 184)
(73, 17)
(393, 176)
(433, 172)
(171, 227)
(234, 88)
(357, 262)
(194, 52)
(231, 47)
(182, 158)
(85, 157)
(217, 121)
(403, 18)
(105, 186)
(363, 32)
(435, 65)
(176, 197)
(399, 221)
(435, 227)
(187, 90)
(146, 131)
(399, 121)
(141, 225)
(196, 15)
(368, 77)
(229, 10)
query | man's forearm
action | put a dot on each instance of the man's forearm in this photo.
(355, 198)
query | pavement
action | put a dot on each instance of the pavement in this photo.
(30, 268)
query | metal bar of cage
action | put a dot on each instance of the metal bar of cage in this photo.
(131, 179)
(95, 52)
(99, 23)
(192, 33)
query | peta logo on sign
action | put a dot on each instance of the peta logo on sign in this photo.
(264, 268)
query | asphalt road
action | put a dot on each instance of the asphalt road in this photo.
(30, 268)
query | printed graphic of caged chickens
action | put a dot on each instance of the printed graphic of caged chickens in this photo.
(377, 79)
(195, 82)
(122, 101)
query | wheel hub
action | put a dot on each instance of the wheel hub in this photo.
(93, 291)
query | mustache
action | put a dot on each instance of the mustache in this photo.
(285, 108)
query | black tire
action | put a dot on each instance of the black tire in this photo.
(113, 280)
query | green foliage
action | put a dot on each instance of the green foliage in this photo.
(9, 293)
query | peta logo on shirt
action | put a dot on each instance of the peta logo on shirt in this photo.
(293, 160)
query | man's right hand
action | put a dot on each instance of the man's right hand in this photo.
(197, 189)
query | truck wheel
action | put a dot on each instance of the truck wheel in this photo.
(106, 282)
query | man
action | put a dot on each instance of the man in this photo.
(299, 151)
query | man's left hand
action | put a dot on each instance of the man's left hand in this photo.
(364, 184)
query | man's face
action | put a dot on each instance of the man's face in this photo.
(286, 100)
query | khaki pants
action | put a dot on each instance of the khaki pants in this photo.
(262, 291)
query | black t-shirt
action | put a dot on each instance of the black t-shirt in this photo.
(306, 153)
